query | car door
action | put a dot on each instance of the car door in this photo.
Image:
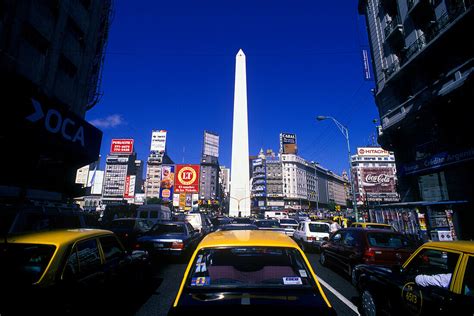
(115, 258)
(333, 247)
(464, 299)
(192, 236)
(297, 234)
(349, 253)
(428, 283)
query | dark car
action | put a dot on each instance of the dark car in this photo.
(349, 247)
(170, 238)
(55, 271)
(238, 227)
(438, 279)
(219, 221)
(242, 220)
(129, 229)
(269, 224)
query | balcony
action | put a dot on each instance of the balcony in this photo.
(394, 31)
(390, 70)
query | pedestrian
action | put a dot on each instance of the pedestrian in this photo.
(334, 226)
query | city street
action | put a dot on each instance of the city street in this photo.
(168, 276)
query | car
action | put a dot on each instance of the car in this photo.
(76, 267)
(129, 229)
(276, 214)
(249, 272)
(269, 224)
(200, 222)
(373, 225)
(311, 234)
(242, 220)
(349, 247)
(289, 224)
(407, 290)
(219, 221)
(169, 238)
(237, 227)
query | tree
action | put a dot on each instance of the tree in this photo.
(332, 206)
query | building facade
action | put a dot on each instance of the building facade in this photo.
(156, 159)
(423, 65)
(51, 56)
(209, 187)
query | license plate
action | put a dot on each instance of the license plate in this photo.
(159, 245)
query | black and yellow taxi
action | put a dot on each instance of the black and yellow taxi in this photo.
(49, 271)
(250, 272)
(437, 279)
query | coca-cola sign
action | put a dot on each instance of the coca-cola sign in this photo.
(374, 179)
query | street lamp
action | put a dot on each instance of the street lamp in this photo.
(345, 132)
(238, 202)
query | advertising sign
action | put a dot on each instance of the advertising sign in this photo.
(378, 184)
(372, 151)
(167, 182)
(121, 146)
(182, 200)
(129, 189)
(366, 63)
(211, 144)
(158, 141)
(187, 178)
(175, 200)
(288, 143)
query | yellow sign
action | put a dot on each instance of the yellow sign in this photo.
(187, 175)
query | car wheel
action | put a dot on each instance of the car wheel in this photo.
(323, 259)
(368, 304)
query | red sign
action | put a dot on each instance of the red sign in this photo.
(121, 146)
(187, 179)
(126, 192)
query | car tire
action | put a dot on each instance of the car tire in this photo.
(368, 304)
(323, 259)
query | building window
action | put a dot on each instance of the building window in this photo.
(67, 66)
(35, 38)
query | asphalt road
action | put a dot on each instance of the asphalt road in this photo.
(168, 275)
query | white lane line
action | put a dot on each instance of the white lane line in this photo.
(339, 295)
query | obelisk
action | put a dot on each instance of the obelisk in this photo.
(239, 178)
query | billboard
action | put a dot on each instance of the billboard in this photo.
(167, 182)
(175, 200)
(288, 143)
(378, 184)
(372, 151)
(121, 146)
(187, 179)
(129, 190)
(158, 141)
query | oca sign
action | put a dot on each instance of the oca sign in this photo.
(56, 123)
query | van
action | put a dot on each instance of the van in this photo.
(276, 214)
(154, 212)
(199, 221)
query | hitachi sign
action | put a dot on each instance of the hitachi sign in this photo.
(55, 123)
(372, 151)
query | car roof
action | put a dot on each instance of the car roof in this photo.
(368, 223)
(460, 245)
(56, 237)
(236, 238)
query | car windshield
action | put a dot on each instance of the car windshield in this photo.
(318, 228)
(389, 240)
(288, 222)
(168, 229)
(267, 224)
(238, 227)
(378, 226)
(249, 267)
(25, 263)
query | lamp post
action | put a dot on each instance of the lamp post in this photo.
(345, 132)
(238, 202)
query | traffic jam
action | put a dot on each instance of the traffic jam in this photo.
(244, 265)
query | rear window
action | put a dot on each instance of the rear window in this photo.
(24, 263)
(267, 224)
(242, 220)
(379, 226)
(168, 229)
(122, 224)
(387, 240)
(239, 267)
(318, 228)
(288, 221)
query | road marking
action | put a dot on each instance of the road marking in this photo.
(339, 295)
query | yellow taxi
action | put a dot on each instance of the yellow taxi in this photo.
(61, 266)
(373, 225)
(437, 279)
(250, 272)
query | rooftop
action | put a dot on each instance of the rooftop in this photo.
(247, 238)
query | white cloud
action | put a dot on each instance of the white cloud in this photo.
(110, 121)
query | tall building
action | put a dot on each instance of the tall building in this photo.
(120, 172)
(51, 56)
(423, 64)
(209, 188)
(139, 183)
(240, 186)
(375, 176)
(156, 159)
(224, 176)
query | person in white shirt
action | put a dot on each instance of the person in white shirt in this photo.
(440, 280)
(334, 227)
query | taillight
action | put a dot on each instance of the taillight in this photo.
(369, 255)
(309, 238)
(177, 245)
(137, 246)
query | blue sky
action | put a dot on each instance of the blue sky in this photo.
(170, 65)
